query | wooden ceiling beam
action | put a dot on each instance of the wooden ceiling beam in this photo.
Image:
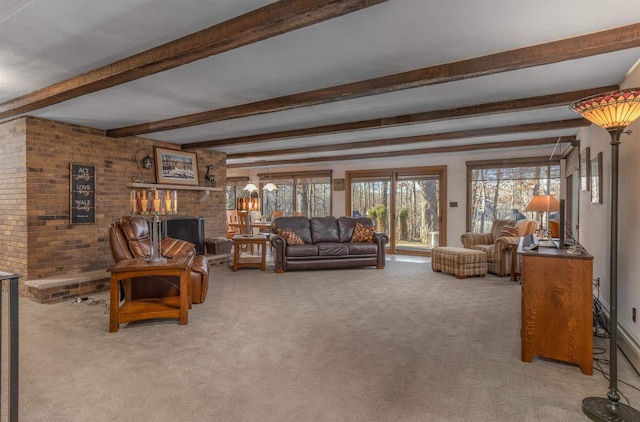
(268, 21)
(602, 42)
(437, 150)
(522, 104)
(445, 136)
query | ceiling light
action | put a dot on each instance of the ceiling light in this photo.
(270, 187)
(251, 187)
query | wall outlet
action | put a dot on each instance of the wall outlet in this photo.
(633, 314)
(598, 281)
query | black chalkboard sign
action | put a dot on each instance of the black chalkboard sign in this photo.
(83, 194)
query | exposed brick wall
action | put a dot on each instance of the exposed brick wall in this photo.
(36, 195)
(13, 197)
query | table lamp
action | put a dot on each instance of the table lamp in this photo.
(542, 204)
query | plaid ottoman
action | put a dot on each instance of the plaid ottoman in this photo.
(460, 262)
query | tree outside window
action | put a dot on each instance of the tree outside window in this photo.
(307, 194)
(502, 190)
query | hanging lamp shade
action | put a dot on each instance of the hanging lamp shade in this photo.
(270, 187)
(251, 187)
(611, 110)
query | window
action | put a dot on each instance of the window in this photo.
(306, 194)
(235, 190)
(313, 196)
(498, 189)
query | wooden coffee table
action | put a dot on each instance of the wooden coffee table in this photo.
(141, 309)
(250, 262)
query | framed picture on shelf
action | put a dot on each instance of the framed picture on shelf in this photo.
(596, 179)
(176, 167)
(584, 169)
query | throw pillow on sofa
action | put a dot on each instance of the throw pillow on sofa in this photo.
(362, 233)
(290, 237)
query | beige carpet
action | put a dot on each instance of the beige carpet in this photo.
(400, 344)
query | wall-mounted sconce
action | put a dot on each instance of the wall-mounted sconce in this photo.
(147, 163)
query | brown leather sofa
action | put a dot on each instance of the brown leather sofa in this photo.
(327, 244)
(130, 238)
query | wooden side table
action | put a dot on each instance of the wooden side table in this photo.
(252, 262)
(141, 309)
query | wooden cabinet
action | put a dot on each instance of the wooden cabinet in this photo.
(556, 308)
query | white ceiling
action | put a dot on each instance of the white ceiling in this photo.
(46, 41)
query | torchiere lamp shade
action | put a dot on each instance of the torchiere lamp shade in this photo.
(610, 110)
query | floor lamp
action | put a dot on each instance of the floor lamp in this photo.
(613, 111)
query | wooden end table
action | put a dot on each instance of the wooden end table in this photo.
(252, 262)
(141, 309)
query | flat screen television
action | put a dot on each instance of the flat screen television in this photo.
(560, 241)
(562, 234)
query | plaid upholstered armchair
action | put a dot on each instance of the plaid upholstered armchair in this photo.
(495, 243)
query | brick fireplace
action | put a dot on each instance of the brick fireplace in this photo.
(37, 238)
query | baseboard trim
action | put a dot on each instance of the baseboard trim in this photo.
(627, 345)
(629, 348)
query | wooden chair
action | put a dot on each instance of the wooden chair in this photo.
(298, 213)
(276, 213)
(232, 218)
(245, 226)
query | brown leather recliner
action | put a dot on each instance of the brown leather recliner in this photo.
(130, 238)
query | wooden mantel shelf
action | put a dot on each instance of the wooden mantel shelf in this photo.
(204, 190)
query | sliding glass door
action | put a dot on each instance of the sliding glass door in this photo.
(417, 213)
(407, 204)
(370, 197)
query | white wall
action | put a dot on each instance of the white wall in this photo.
(595, 224)
(456, 177)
